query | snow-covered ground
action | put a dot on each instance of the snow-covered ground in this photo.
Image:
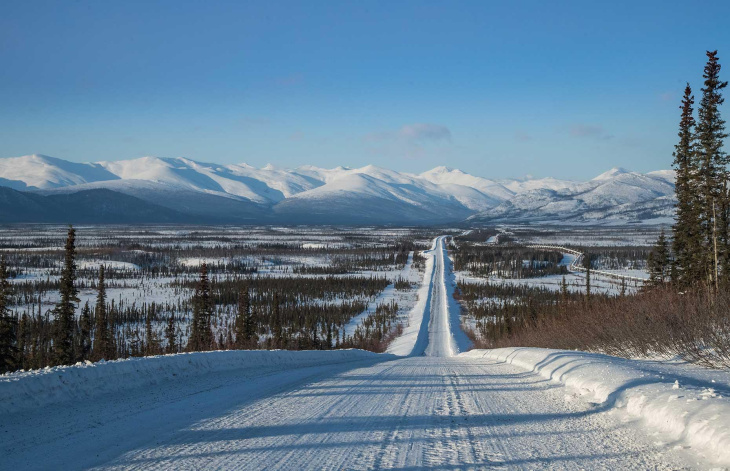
(504, 409)
(405, 299)
(433, 327)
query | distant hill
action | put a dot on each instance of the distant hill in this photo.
(86, 206)
(37, 188)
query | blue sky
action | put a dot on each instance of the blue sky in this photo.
(498, 89)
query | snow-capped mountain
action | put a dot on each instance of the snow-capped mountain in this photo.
(208, 192)
(617, 195)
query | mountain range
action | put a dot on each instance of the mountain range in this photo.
(38, 188)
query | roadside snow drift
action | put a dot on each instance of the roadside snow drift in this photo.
(37, 388)
(434, 323)
(685, 403)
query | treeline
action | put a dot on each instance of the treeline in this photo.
(221, 259)
(377, 330)
(618, 258)
(683, 309)
(476, 235)
(501, 311)
(699, 253)
(285, 312)
(364, 261)
(507, 261)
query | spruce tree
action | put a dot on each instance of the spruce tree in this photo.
(201, 337)
(563, 296)
(277, 329)
(64, 312)
(151, 342)
(687, 242)
(103, 345)
(659, 261)
(8, 327)
(24, 341)
(243, 327)
(587, 266)
(170, 334)
(712, 164)
(84, 347)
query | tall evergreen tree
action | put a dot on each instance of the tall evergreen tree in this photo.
(151, 341)
(659, 261)
(587, 266)
(103, 345)
(276, 327)
(687, 242)
(201, 337)
(8, 327)
(24, 342)
(712, 164)
(84, 347)
(64, 312)
(244, 324)
(171, 335)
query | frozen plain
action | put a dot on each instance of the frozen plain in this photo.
(433, 407)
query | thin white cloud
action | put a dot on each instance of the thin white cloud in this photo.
(522, 136)
(589, 131)
(424, 132)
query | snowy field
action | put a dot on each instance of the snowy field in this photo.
(429, 402)
(160, 265)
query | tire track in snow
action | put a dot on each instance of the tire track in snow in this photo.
(436, 411)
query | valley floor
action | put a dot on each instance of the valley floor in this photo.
(437, 408)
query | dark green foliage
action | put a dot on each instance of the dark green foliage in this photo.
(712, 166)
(85, 327)
(504, 310)
(507, 261)
(65, 323)
(151, 341)
(587, 258)
(687, 241)
(171, 334)
(8, 324)
(277, 330)
(103, 344)
(659, 262)
(701, 242)
(24, 342)
(201, 336)
(245, 323)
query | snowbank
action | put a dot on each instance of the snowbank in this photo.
(414, 338)
(680, 400)
(37, 388)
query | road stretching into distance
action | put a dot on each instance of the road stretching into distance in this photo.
(432, 409)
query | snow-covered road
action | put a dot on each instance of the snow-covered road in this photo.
(445, 337)
(431, 409)
(411, 413)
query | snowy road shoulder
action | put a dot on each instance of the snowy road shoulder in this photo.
(434, 323)
(688, 404)
(38, 388)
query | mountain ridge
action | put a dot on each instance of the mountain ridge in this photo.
(369, 195)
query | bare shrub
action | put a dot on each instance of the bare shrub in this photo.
(693, 325)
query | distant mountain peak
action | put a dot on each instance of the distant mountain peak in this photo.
(368, 194)
(443, 169)
(614, 172)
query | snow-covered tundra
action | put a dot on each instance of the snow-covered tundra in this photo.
(428, 403)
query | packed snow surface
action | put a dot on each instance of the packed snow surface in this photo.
(436, 407)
